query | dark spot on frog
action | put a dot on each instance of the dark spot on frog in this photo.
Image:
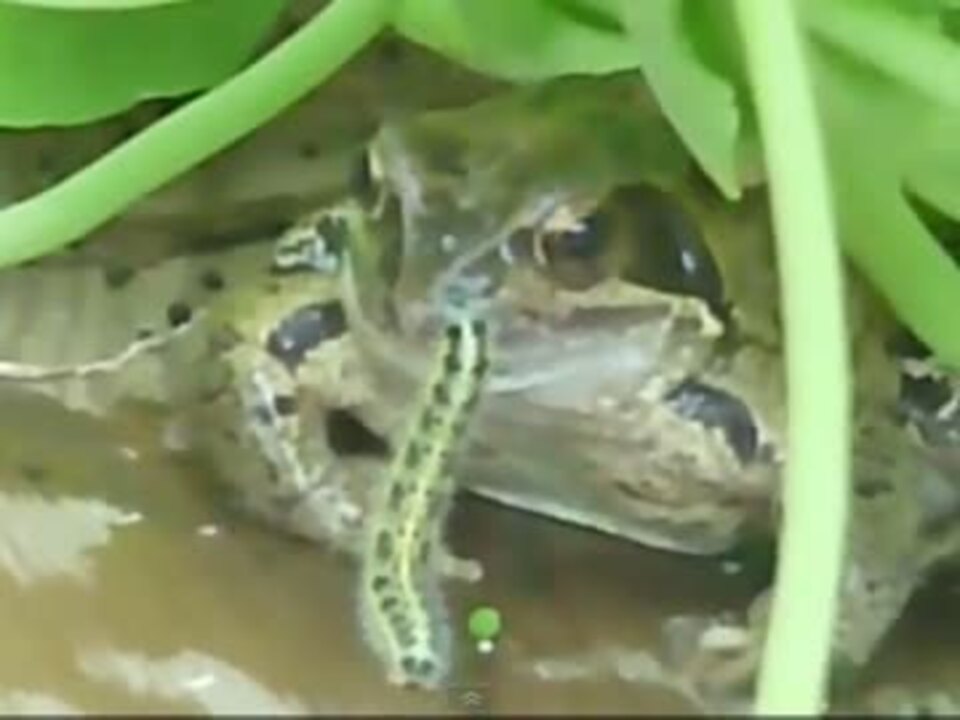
(178, 313)
(144, 333)
(212, 280)
(303, 330)
(717, 408)
(347, 435)
(308, 150)
(285, 404)
(116, 276)
(34, 474)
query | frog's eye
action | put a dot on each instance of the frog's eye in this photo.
(575, 251)
(664, 248)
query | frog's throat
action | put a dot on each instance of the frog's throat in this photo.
(401, 608)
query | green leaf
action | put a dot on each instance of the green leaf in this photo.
(186, 137)
(906, 46)
(528, 40)
(700, 103)
(902, 141)
(61, 66)
(93, 4)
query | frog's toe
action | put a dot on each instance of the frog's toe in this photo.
(716, 658)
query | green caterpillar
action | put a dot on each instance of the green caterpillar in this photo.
(401, 607)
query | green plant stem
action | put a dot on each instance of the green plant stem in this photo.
(796, 658)
(183, 139)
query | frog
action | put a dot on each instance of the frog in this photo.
(635, 379)
(685, 445)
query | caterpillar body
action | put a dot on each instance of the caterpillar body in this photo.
(401, 606)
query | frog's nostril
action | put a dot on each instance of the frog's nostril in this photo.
(717, 408)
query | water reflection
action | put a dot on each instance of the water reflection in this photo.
(42, 538)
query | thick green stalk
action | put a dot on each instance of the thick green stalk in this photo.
(796, 658)
(183, 139)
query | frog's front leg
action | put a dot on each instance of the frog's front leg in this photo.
(307, 490)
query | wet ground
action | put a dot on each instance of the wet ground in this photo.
(128, 584)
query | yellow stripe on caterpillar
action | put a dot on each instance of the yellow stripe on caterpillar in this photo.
(401, 607)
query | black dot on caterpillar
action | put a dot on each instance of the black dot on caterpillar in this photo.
(384, 545)
(379, 583)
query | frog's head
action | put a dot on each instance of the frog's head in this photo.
(570, 218)
(573, 180)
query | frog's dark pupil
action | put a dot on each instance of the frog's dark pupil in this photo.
(586, 242)
(178, 313)
(303, 330)
(212, 280)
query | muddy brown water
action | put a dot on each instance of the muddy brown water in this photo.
(128, 583)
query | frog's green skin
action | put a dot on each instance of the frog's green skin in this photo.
(634, 388)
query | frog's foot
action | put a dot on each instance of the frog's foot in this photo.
(720, 658)
(325, 514)
(717, 657)
(457, 568)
